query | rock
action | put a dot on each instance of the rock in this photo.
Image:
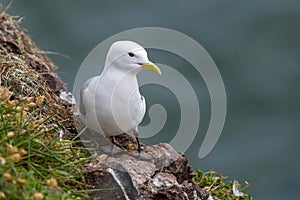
(113, 183)
(166, 176)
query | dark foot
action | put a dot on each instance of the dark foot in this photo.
(139, 147)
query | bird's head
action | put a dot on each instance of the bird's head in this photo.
(129, 56)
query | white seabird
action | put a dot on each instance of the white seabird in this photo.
(111, 103)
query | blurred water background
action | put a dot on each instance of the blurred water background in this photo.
(256, 46)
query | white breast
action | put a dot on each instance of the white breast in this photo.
(109, 107)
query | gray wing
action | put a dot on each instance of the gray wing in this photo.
(137, 108)
(143, 107)
(82, 89)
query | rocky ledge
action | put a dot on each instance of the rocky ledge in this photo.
(166, 176)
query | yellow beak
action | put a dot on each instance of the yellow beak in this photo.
(151, 66)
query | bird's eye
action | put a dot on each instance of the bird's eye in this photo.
(131, 54)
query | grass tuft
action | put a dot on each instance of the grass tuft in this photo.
(220, 189)
(34, 162)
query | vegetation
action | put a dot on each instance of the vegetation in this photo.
(34, 163)
(218, 188)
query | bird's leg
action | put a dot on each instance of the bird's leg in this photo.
(139, 146)
(113, 145)
(135, 132)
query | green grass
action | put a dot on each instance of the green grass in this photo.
(219, 189)
(34, 163)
